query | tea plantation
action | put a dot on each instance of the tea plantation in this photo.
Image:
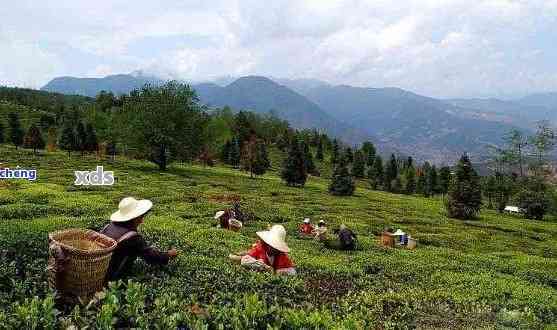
(493, 272)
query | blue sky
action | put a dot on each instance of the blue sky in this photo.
(442, 48)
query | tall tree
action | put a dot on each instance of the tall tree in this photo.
(465, 195)
(349, 155)
(234, 156)
(254, 157)
(410, 180)
(444, 179)
(16, 132)
(431, 182)
(335, 152)
(543, 143)
(319, 153)
(1, 133)
(517, 143)
(33, 139)
(91, 142)
(308, 159)
(51, 140)
(164, 121)
(225, 152)
(342, 183)
(391, 172)
(369, 152)
(293, 169)
(359, 166)
(67, 140)
(375, 173)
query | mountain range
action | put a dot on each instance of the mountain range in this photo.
(427, 128)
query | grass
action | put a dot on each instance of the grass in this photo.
(496, 271)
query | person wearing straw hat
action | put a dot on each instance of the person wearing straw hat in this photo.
(123, 228)
(269, 253)
(320, 232)
(227, 220)
(306, 227)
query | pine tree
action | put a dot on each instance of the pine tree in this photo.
(225, 152)
(335, 152)
(349, 156)
(234, 156)
(319, 153)
(342, 183)
(369, 152)
(410, 180)
(293, 169)
(391, 173)
(81, 137)
(359, 167)
(16, 132)
(33, 139)
(1, 133)
(91, 142)
(420, 186)
(444, 179)
(409, 163)
(432, 184)
(308, 159)
(67, 139)
(375, 173)
(465, 195)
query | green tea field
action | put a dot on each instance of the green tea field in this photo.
(493, 272)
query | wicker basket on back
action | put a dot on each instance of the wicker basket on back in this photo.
(78, 261)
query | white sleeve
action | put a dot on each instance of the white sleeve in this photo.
(252, 263)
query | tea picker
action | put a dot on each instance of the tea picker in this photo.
(306, 228)
(227, 220)
(269, 253)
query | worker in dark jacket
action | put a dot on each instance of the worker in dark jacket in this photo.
(346, 239)
(123, 229)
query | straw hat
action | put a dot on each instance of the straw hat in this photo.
(219, 214)
(398, 232)
(275, 237)
(131, 208)
(306, 220)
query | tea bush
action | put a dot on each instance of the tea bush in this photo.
(494, 272)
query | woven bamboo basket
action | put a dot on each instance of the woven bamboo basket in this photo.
(87, 254)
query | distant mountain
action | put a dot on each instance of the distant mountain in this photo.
(417, 125)
(512, 112)
(301, 86)
(118, 84)
(260, 94)
(545, 100)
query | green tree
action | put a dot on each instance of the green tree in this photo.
(543, 143)
(410, 180)
(33, 139)
(359, 166)
(308, 159)
(421, 184)
(533, 198)
(396, 185)
(1, 133)
(342, 183)
(163, 121)
(225, 152)
(235, 155)
(375, 173)
(294, 171)
(431, 182)
(349, 155)
(517, 143)
(369, 152)
(391, 172)
(335, 152)
(465, 195)
(319, 153)
(16, 132)
(444, 179)
(81, 137)
(67, 140)
(254, 157)
(91, 142)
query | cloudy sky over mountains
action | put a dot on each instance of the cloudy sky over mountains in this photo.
(438, 48)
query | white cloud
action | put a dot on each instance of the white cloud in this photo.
(435, 47)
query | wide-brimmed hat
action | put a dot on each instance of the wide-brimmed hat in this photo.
(275, 237)
(131, 208)
(219, 214)
(306, 220)
(398, 232)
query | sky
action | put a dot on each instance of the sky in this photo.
(443, 48)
